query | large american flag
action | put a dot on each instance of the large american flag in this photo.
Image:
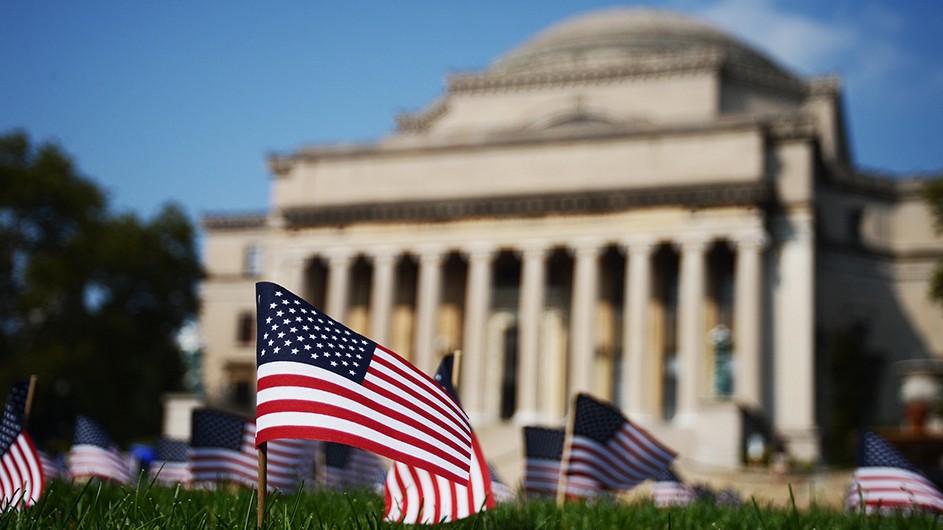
(543, 449)
(21, 471)
(347, 468)
(416, 496)
(669, 491)
(886, 481)
(94, 454)
(319, 380)
(608, 452)
(223, 450)
(171, 464)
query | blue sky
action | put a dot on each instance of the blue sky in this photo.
(183, 101)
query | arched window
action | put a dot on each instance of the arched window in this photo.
(252, 265)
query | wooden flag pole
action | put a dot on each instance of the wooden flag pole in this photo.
(456, 368)
(565, 456)
(29, 398)
(263, 482)
(320, 467)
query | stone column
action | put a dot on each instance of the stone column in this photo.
(748, 311)
(794, 342)
(338, 279)
(290, 272)
(427, 307)
(477, 307)
(691, 329)
(381, 295)
(533, 279)
(636, 341)
(582, 321)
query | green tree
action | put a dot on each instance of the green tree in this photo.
(933, 195)
(92, 300)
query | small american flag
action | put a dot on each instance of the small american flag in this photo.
(543, 450)
(223, 450)
(416, 496)
(319, 380)
(608, 452)
(348, 468)
(669, 491)
(55, 466)
(94, 454)
(21, 471)
(886, 481)
(171, 464)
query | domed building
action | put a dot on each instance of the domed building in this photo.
(632, 204)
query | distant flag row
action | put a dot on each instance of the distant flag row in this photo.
(604, 453)
(330, 396)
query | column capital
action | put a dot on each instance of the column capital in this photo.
(639, 245)
(383, 255)
(696, 243)
(293, 258)
(751, 240)
(585, 248)
(339, 255)
(430, 254)
(533, 250)
(480, 251)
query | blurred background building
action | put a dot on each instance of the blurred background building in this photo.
(632, 204)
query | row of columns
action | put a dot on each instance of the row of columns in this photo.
(636, 368)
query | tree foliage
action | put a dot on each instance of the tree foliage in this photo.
(92, 300)
(933, 195)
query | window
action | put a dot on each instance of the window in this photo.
(245, 328)
(854, 226)
(253, 261)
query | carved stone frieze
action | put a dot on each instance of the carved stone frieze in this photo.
(531, 205)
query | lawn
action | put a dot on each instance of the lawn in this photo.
(108, 506)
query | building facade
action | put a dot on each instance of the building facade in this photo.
(632, 204)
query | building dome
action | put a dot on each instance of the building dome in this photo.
(616, 36)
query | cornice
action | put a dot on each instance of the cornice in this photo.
(880, 185)
(537, 205)
(775, 123)
(651, 66)
(223, 221)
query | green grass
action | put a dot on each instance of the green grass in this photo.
(108, 506)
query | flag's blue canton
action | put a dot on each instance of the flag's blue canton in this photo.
(443, 376)
(336, 454)
(543, 443)
(88, 432)
(12, 422)
(290, 329)
(213, 428)
(169, 450)
(666, 475)
(879, 453)
(595, 420)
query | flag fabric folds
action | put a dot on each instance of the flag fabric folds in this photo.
(21, 472)
(416, 496)
(347, 468)
(543, 450)
(608, 452)
(499, 488)
(223, 450)
(54, 465)
(669, 491)
(171, 464)
(94, 454)
(886, 481)
(319, 380)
